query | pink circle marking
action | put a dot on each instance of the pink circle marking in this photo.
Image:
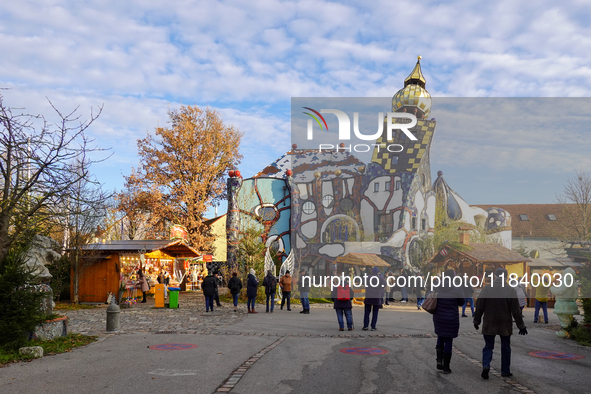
(173, 346)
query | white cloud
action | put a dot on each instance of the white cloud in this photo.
(140, 55)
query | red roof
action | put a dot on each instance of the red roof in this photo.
(537, 224)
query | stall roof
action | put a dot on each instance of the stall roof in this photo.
(482, 253)
(366, 259)
(174, 248)
(555, 263)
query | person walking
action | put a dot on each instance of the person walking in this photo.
(270, 284)
(166, 282)
(144, 285)
(403, 289)
(541, 302)
(388, 287)
(468, 298)
(209, 286)
(446, 319)
(219, 282)
(498, 303)
(382, 289)
(419, 293)
(341, 297)
(304, 292)
(251, 291)
(373, 299)
(235, 285)
(285, 284)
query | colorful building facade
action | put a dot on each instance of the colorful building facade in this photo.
(318, 205)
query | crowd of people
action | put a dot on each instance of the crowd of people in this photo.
(497, 307)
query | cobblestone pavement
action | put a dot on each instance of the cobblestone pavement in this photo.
(190, 317)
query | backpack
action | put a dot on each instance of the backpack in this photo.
(233, 285)
(271, 285)
(343, 293)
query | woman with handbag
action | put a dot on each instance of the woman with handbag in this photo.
(446, 319)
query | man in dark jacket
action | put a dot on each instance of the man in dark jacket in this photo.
(209, 287)
(235, 285)
(499, 305)
(304, 292)
(373, 299)
(270, 284)
(251, 290)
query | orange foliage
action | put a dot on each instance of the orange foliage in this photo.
(182, 173)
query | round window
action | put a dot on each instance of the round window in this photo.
(328, 201)
(267, 213)
(308, 208)
(346, 205)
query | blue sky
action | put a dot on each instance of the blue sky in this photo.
(248, 58)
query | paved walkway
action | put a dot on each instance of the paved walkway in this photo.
(289, 352)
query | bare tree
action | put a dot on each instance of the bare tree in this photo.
(40, 164)
(86, 209)
(575, 223)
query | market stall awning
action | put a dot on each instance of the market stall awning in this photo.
(365, 259)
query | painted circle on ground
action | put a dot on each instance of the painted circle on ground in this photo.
(364, 351)
(556, 355)
(173, 346)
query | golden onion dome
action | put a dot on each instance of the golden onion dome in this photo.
(413, 97)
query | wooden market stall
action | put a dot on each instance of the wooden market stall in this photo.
(478, 260)
(547, 266)
(107, 266)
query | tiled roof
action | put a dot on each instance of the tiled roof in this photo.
(489, 252)
(538, 225)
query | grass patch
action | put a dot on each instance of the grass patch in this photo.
(68, 306)
(56, 346)
(580, 332)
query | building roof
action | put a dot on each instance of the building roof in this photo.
(480, 253)
(211, 221)
(366, 259)
(494, 253)
(537, 223)
(174, 248)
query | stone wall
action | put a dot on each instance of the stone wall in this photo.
(51, 329)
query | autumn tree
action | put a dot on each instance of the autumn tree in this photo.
(40, 164)
(181, 172)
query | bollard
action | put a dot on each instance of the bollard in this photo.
(113, 311)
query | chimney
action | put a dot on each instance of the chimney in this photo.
(464, 235)
(216, 212)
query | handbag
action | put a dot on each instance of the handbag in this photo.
(430, 303)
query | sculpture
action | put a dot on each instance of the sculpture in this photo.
(566, 297)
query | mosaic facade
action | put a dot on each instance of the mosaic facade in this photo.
(318, 206)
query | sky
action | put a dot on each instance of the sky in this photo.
(247, 59)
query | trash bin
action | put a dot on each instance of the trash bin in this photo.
(159, 296)
(173, 297)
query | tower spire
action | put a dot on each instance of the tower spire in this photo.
(416, 76)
